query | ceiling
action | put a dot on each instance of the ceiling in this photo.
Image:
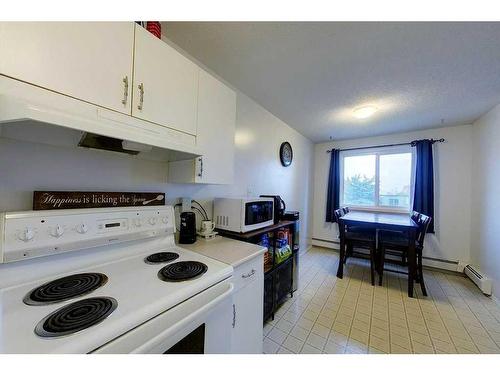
(313, 75)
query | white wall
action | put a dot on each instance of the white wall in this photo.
(485, 238)
(25, 167)
(452, 161)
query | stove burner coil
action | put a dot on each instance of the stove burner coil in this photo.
(180, 271)
(65, 288)
(162, 257)
(76, 317)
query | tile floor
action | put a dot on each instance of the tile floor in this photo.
(329, 315)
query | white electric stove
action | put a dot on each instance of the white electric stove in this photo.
(108, 281)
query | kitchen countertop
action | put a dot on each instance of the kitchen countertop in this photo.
(225, 250)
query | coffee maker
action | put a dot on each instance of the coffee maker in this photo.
(187, 233)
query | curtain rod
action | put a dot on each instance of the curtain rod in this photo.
(390, 145)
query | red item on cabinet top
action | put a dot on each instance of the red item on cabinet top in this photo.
(154, 27)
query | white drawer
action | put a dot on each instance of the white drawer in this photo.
(249, 271)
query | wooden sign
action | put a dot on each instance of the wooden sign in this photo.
(55, 200)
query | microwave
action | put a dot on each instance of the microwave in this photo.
(243, 214)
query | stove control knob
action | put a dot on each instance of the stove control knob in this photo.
(26, 234)
(82, 228)
(137, 222)
(152, 220)
(165, 219)
(57, 231)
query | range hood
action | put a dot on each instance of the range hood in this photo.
(79, 124)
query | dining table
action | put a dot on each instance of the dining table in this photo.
(381, 221)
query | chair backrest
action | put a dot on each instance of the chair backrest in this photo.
(423, 222)
(415, 215)
(339, 212)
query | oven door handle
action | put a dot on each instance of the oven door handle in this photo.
(177, 326)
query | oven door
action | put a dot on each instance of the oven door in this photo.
(257, 214)
(200, 325)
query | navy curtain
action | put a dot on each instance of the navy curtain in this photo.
(423, 200)
(332, 196)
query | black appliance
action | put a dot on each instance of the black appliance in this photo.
(294, 216)
(187, 233)
(279, 207)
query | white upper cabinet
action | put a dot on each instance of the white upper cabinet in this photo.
(165, 84)
(91, 61)
(216, 127)
(121, 67)
(215, 137)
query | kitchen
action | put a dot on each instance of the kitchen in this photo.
(150, 157)
(41, 128)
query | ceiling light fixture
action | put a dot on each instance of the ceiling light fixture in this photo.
(364, 112)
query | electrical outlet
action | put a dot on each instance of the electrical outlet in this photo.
(186, 204)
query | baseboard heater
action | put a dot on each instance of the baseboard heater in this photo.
(335, 242)
(481, 280)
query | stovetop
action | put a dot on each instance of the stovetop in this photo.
(65, 288)
(76, 317)
(117, 294)
(161, 257)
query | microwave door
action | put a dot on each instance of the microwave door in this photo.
(258, 214)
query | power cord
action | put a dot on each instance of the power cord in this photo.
(205, 212)
(199, 211)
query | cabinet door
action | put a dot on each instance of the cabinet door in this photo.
(85, 60)
(216, 127)
(248, 322)
(165, 84)
(215, 136)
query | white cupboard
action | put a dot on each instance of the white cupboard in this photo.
(216, 122)
(120, 66)
(248, 303)
(91, 61)
(216, 127)
(165, 84)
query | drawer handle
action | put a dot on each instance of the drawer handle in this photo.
(125, 90)
(141, 96)
(250, 274)
(234, 315)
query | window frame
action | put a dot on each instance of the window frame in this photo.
(402, 149)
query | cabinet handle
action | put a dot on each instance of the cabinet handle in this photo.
(125, 90)
(250, 274)
(234, 315)
(201, 167)
(141, 96)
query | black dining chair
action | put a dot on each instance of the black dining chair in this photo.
(414, 217)
(346, 210)
(364, 239)
(398, 242)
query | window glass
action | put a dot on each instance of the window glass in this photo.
(395, 180)
(381, 178)
(359, 180)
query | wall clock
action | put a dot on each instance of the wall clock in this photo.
(286, 154)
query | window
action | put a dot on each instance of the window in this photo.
(377, 178)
